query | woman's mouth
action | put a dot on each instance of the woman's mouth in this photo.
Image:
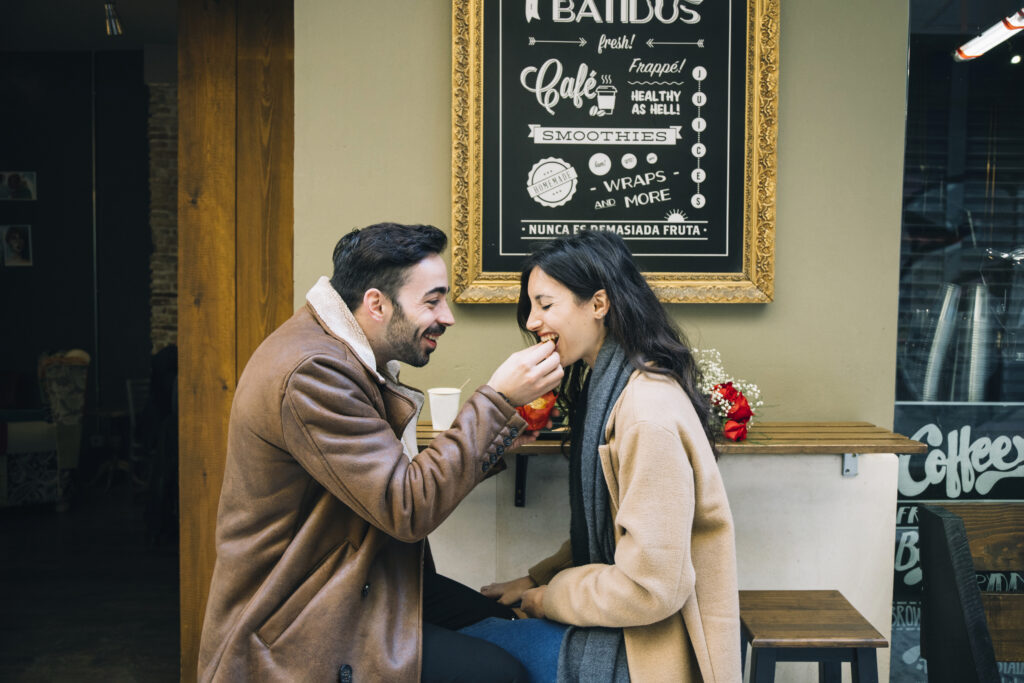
(551, 337)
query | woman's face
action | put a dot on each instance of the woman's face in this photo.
(577, 327)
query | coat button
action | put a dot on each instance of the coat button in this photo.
(486, 466)
(493, 459)
(366, 590)
(507, 441)
(513, 432)
(345, 674)
(500, 450)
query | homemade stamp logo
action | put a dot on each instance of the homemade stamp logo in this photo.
(551, 181)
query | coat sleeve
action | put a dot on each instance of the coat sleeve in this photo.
(332, 428)
(653, 574)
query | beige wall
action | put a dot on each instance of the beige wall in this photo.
(372, 135)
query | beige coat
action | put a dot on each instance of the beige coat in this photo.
(673, 586)
(324, 508)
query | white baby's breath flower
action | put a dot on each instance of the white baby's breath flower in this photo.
(713, 370)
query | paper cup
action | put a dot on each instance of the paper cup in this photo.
(444, 406)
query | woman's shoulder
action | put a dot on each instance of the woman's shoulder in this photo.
(656, 399)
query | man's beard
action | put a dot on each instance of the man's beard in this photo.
(405, 343)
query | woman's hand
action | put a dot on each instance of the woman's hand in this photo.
(533, 602)
(509, 592)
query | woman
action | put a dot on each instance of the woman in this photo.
(647, 581)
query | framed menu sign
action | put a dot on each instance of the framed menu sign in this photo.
(654, 119)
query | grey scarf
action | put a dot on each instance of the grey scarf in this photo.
(594, 653)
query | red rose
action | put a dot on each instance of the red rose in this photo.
(740, 409)
(737, 431)
(727, 391)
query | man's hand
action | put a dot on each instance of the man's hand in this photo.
(533, 602)
(529, 373)
(509, 592)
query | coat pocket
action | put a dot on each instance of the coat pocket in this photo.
(285, 615)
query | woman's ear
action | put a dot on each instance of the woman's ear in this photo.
(600, 303)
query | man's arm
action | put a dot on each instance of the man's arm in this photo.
(333, 430)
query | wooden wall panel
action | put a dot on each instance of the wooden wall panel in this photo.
(206, 291)
(235, 216)
(266, 141)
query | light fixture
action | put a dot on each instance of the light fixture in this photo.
(992, 36)
(113, 22)
(1015, 59)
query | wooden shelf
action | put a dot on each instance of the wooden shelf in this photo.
(775, 438)
(765, 438)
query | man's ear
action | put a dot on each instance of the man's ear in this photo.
(376, 304)
(600, 303)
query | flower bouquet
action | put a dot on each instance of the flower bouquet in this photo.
(733, 400)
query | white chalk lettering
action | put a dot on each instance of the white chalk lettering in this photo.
(965, 466)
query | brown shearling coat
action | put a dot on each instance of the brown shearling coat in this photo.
(673, 587)
(324, 510)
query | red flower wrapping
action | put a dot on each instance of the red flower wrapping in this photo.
(740, 410)
(737, 431)
(537, 412)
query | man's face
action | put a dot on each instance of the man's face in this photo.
(420, 314)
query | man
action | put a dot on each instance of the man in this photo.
(326, 503)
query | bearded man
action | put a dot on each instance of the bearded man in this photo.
(322, 570)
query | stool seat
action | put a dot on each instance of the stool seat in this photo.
(807, 626)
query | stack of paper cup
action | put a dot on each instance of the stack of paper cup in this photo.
(444, 406)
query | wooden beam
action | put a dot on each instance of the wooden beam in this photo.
(206, 292)
(266, 142)
(235, 253)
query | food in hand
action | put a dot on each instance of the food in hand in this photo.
(537, 412)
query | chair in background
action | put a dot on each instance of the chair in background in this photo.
(965, 631)
(140, 459)
(63, 378)
(132, 457)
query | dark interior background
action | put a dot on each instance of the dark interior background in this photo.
(85, 289)
(69, 89)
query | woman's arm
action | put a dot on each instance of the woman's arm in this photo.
(653, 575)
(511, 592)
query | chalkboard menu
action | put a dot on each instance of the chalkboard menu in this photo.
(653, 119)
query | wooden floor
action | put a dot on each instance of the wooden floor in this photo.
(83, 596)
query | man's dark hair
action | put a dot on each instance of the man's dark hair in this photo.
(378, 256)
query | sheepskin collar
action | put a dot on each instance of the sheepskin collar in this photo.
(330, 309)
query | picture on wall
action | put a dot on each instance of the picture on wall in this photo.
(17, 241)
(658, 124)
(17, 185)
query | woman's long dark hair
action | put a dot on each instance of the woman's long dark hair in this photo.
(590, 261)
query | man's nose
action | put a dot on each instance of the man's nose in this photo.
(445, 316)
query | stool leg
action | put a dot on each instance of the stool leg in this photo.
(830, 672)
(864, 665)
(743, 652)
(762, 665)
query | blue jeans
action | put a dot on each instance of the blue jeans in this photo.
(534, 642)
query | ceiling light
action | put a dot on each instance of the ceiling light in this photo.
(113, 22)
(1015, 59)
(992, 36)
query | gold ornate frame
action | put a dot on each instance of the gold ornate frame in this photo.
(756, 282)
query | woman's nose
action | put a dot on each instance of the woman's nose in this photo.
(532, 323)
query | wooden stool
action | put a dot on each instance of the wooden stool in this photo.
(807, 626)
